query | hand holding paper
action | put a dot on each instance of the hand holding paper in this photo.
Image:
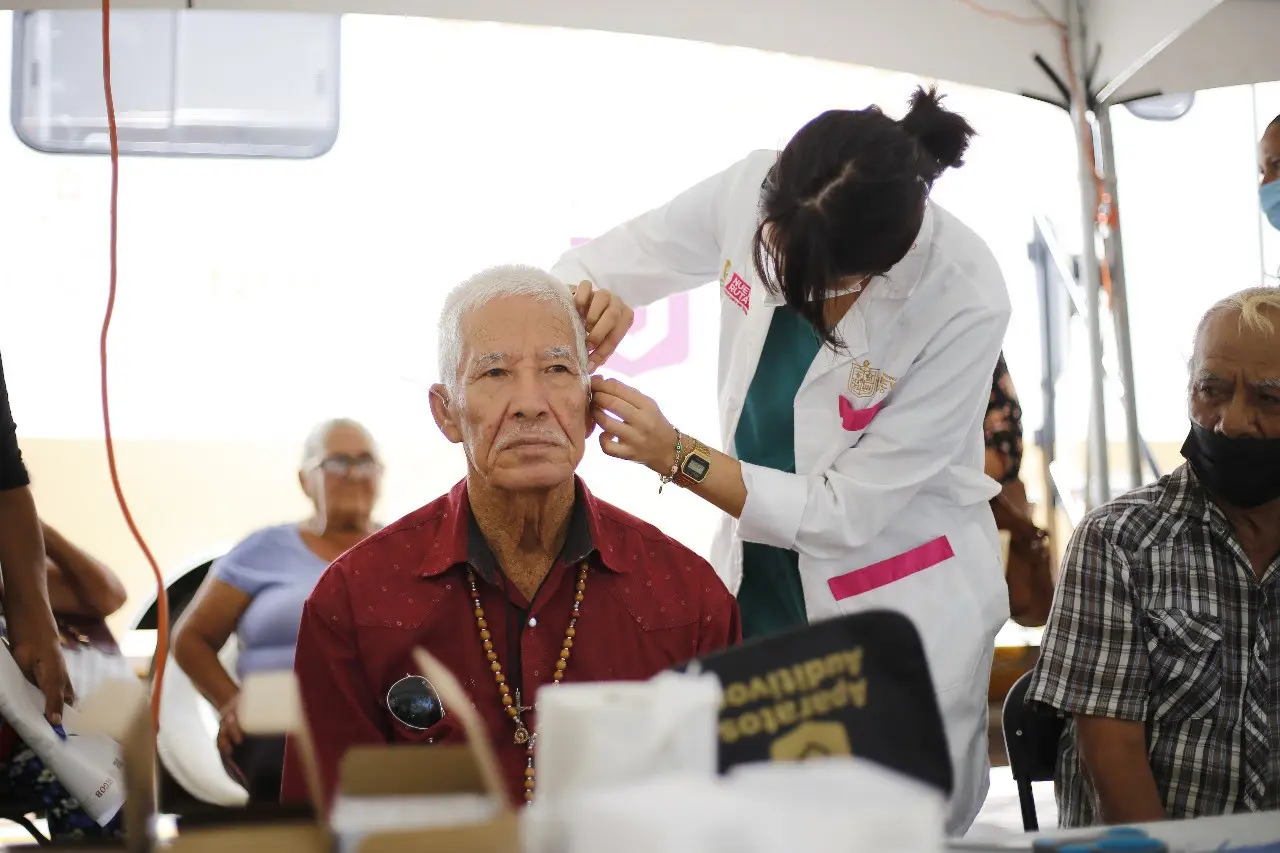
(86, 758)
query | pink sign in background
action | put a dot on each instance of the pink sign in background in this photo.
(670, 350)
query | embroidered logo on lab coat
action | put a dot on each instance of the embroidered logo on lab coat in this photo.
(867, 381)
(739, 291)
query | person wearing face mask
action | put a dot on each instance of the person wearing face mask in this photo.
(256, 592)
(1163, 647)
(860, 324)
(1269, 167)
(518, 578)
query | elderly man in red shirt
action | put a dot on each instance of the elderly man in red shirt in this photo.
(517, 578)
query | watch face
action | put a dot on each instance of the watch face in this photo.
(696, 467)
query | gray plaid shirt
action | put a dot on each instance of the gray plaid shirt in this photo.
(1159, 617)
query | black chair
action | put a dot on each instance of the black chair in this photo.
(1031, 740)
(16, 811)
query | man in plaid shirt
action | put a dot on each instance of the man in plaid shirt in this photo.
(1163, 647)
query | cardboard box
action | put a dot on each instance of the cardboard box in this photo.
(271, 705)
(413, 772)
(432, 771)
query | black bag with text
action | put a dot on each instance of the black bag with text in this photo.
(854, 685)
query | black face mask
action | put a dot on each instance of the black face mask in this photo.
(1244, 472)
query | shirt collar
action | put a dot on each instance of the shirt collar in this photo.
(462, 543)
(1186, 497)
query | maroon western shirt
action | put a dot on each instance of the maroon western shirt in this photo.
(650, 603)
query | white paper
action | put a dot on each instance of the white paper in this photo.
(597, 734)
(354, 818)
(88, 765)
(883, 809)
(821, 806)
(673, 815)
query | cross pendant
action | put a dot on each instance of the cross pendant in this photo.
(522, 735)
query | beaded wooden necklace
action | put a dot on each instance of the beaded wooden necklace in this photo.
(511, 705)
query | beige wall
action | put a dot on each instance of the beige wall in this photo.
(188, 498)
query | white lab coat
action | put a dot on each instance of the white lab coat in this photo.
(921, 344)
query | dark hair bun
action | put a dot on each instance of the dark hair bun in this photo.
(942, 134)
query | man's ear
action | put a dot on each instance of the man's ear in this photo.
(445, 414)
(591, 421)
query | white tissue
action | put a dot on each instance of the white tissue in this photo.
(598, 734)
(879, 808)
(355, 818)
(823, 806)
(673, 815)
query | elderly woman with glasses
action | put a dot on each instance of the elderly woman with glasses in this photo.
(256, 591)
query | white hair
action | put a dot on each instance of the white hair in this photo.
(1258, 307)
(496, 283)
(313, 447)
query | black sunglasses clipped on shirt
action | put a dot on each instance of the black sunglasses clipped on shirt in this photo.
(414, 702)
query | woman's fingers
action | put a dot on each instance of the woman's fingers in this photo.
(597, 307)
(582, 298)
(610, 403)
(607, 319)
(613, 426)
(616, 449)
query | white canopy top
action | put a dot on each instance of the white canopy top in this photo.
(1147, 46)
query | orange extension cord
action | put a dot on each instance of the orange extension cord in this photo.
(162, 596)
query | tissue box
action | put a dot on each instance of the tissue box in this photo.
(597, 734)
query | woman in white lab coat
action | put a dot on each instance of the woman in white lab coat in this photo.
(859, 327)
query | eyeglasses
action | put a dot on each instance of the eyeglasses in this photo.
(413, 701)
(340, 465)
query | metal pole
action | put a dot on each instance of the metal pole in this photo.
(1262, 243)
(1099, 488)
(1120, 301)
(1047, 436)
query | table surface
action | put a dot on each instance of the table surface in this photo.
(1203, 835)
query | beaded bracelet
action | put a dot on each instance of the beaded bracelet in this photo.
(675, 466)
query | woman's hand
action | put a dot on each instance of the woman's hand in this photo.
(37, 650)
(229, 733)
(607, 319)
(632, 426)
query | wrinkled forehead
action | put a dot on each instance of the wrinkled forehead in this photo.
(1228, 346)
(514, 327)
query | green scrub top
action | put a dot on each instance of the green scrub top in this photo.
(770, 596)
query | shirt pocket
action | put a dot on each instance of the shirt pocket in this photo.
(1184, 653)
(447, 730)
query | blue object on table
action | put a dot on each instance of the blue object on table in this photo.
(60, 732)
(1130, 844)
(1116, 839)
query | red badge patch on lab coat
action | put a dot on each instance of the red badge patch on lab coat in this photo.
(737, 289)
